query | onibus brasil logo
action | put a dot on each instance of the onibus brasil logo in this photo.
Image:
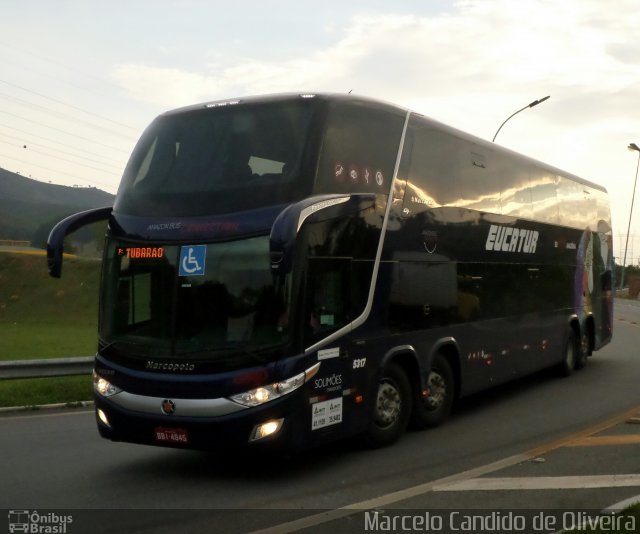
(38, 523)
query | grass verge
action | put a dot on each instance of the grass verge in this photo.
(38, 391)
(42, 317)
(25, 341)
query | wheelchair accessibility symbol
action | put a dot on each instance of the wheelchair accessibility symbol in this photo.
(192, 260)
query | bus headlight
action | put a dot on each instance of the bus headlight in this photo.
(262, 394)
(104, 387)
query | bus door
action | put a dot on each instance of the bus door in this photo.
(328, 307)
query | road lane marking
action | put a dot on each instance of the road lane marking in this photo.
(542, 483)
(628, 322)
(421, 489)
(41, 415)
(622, 505)
(591, 441)
(590, 431)
(389, 498)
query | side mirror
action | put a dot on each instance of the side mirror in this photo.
(318, 208)
(55, 243)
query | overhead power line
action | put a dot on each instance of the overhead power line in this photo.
(69, 105)
(62, 115)
(49, 155)
(29, 144)
(35, 136)
(64, 131)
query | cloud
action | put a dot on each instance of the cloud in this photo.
(492, 48)
(470, 67)
(165, 87)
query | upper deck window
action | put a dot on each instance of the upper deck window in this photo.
(218, 160)
(359, 148)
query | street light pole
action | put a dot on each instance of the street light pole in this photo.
(532, 104)
(632, 146)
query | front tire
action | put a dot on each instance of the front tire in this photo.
(432, 410)
(392, 408)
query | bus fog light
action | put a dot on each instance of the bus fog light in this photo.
(103, 417)
(266, 429)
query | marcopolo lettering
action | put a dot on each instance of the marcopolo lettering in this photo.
(511, 239)
(175, 367)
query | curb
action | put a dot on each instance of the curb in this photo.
(35, 407)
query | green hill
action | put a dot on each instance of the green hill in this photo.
(28, 208)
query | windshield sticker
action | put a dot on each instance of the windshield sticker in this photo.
(326, 413)
(327, 319)
(327, 354)
(192, 260)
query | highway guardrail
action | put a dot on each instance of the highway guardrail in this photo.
(12, 369)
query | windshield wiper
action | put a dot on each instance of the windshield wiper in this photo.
(129, 348)
(233, 350)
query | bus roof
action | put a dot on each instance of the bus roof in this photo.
(380, 104)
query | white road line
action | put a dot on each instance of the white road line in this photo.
(41, 415)
(619, 506)
(389, 498)
(541, 483)
(461, 478)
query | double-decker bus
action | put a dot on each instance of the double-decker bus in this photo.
(288, 270)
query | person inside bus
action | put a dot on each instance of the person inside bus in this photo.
(237, 169)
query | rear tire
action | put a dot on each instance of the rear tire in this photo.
(583, 351)
(433, 409)
(569, 354)
(392, 408)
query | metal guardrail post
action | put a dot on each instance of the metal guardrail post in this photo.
(45, 368)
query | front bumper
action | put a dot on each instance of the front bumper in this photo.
(205, 432)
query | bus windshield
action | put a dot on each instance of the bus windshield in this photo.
(207, 301)
(204, 161)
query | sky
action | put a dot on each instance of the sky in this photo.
(81, 79)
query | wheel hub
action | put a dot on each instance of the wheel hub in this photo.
(437, 390)
(388, 404)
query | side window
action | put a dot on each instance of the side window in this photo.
(516, 187)
(570, 200)
(443, 170)
(337, 278)
(326, 297)
(359, 149)
(544, 200)
(431, 164)
(423, 295)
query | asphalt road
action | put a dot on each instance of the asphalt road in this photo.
(57, 462)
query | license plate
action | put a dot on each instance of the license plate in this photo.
(171, 435)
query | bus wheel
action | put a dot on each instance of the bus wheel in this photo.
(434, 408)
(392, 408)
(569, 353)
(583, 351)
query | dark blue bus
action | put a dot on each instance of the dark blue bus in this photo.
(294, 269)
